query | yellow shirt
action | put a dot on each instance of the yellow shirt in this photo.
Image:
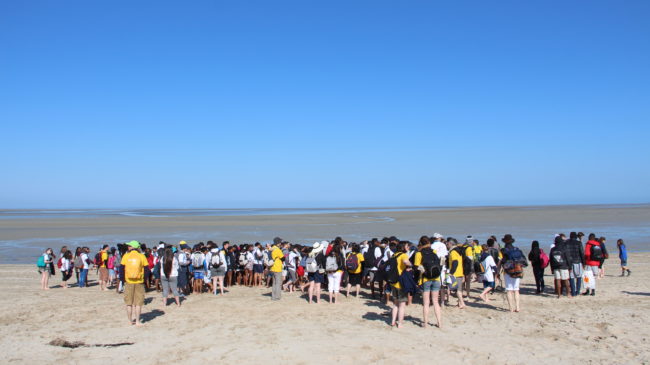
(418, 262)
(477, 251)
(104, 258)
(454, 256)
(469, 252)
(134, 263)
(276, 255)
(401, 266)
(359, 260)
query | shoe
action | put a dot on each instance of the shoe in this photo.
(586, 293)
(629, 272)
(593, 292)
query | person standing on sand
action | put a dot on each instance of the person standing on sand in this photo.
(455, 264)
(169, 275)
(103, 269)
(334, 265)
(45, 268)
(66, 268)
(429, 266)
(593, 257)
(601, 267)
(85, 266)
(576, 257)
(315, 267)
(354, 274)
(512, 256)
(560, 264)
(400, 296)
(134, 263)
(534, 256)
(258, 264)
(183, 268)
(490, 267)
(622, 255)
(276, 269)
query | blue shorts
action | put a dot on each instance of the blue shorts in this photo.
(623, 263)
(198, 274)
(488, 284)
(258, 268)
(433, 285)
(316, 277)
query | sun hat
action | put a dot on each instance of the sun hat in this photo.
(438, 235)
(469, 239)
(134, 244)
(507, 239)
(317, 247)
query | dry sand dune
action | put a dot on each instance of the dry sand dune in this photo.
(244, 326)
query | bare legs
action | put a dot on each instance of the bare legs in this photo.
(427, 298)
(45, 279)
(133, 314)
(513, 300)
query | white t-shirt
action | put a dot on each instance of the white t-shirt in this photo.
(377, 255)
(387, 254)
(291, 263)
(440, 249)
(258, 257)
(84, 259)
(175, 265)
(65, 264)
(489, 264)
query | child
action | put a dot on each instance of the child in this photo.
(622, 254)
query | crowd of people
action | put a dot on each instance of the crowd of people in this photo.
(436, 269)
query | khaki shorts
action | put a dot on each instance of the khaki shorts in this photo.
(103, 274)
(134, 294)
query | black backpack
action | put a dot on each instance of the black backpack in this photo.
(556, 258)
(369, 258)
(596, 253)
(468, 263)
(431, 263)
(392, 274)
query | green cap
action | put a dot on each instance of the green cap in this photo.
(134, 244)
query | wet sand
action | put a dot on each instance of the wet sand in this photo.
(244, 326)
(23, 239)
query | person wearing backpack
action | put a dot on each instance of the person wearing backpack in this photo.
(513, 263)
(560, 264)
(197, 261)
(184, 264)
(216, 261)
(134, 263)
(593, 258)
(85, 266)
(576, 256)
(489, 267)
(353, 263)
(601, 267)
(455, 264)
(315, 267)
(535, 258)
(102, 255)
(45, 267)
(258, 264)
(168, 277)
(468, 265)
(428, 264)
(398, 264)
(334, 265)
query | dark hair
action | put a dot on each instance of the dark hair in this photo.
(68, 254)
(104, 247)
(401, 246)
(424, 240)
(169, 260)
(490, 242)
(573, 235)
(592, 236)
(355, 248)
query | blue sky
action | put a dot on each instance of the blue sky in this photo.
(310, 104)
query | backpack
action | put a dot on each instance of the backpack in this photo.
(215, 260)
(268, 261)
(78, 262)
(369, 257)
(378, 260)
(98, 259)
(515, 269)
(596, 253)
(468, 263)
(330, 264)
(111, 262)
(390, 270)
(197, 260)
(556, 258)
(352, 263)
(59, 263)
(431, 263)
(133, 269)
(311, 265)
(543, 258)
(41, 261)
(243, 261)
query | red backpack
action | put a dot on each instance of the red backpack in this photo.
(543, 258)
(59, 263)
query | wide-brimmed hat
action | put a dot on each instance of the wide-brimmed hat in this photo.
(134, 244)
(316, 247)
(507, 239)
(438, 235)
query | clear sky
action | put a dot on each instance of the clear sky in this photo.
(323, 103)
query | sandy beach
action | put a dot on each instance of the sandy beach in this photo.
(244, 326)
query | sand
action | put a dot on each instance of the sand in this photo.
(244, 326)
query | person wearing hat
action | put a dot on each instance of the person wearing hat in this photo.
(134, 263)
(455, 264)
(512, 257)
(276, 269)
(315, 261)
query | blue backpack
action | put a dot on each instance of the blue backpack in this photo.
(41, 261)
